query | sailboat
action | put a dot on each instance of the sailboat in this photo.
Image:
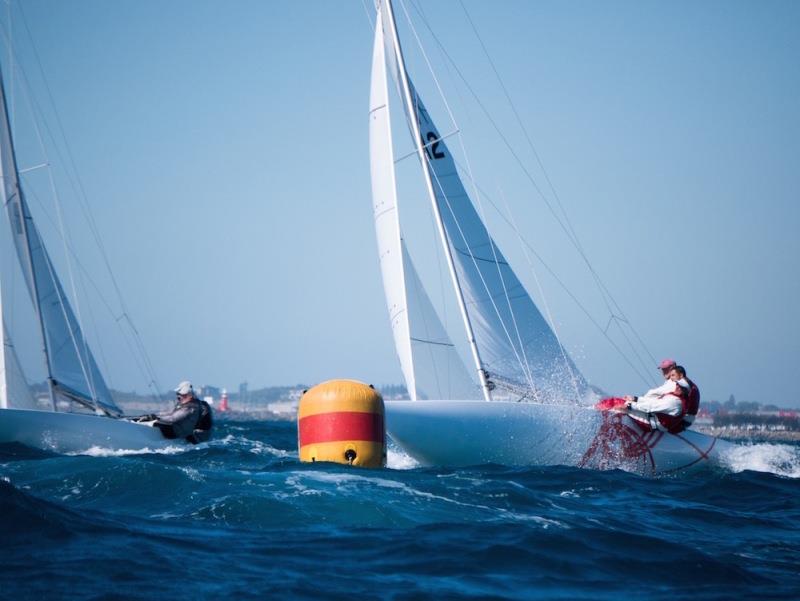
(527, 402)
(78, 411)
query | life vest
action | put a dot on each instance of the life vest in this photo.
(689, 405)
(692, 401)
(202, 430)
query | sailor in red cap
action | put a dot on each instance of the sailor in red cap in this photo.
(666, 366)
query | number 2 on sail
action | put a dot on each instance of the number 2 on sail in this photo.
(431, 148)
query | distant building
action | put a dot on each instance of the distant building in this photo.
(206, 391)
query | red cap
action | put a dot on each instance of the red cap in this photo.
(667, 364)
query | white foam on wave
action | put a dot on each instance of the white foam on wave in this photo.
(778, 459)
(256, 447)
(96, 451)
(397, 459)
(304, 484)
(192, 473)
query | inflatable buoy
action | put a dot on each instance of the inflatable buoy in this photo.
(342, 421)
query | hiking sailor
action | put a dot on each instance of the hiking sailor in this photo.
(190, 418)
(669, 407)
(666, 366)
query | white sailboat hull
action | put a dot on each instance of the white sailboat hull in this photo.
(460, 433)
(74, 432)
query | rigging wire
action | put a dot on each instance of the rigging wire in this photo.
(523, 365)
(565, 288)
(82, 353)
(524, 362)
(86, 276)
(616, 313)
(76, 184)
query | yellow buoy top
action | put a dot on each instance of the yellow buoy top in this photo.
(340, 395)
(342, 421)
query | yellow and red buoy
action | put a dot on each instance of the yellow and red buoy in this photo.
(342, 421)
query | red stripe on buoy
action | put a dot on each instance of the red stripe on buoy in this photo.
(340, 425)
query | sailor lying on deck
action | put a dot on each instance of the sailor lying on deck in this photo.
(190, 418)
(671, 406)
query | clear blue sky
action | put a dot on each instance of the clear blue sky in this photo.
(223, 148)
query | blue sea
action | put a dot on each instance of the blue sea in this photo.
(241, 518)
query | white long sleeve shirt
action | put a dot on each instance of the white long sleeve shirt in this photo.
(662, 399)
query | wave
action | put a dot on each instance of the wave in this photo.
(778, 459)
(244, 510)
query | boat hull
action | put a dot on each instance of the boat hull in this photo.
(460, 433)
(75, 433)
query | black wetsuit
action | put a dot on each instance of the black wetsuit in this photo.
(191, 420)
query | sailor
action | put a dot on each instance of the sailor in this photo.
(665, 406)
(190, 418)
(692, 400)
(666, 366)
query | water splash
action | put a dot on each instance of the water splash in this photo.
(778, 459)
(398, 459)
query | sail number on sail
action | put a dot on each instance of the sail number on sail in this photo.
(432, 146)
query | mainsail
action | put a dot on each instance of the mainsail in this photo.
(515, 345)
(72, 370)
(430, 363)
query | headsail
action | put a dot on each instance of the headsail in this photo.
(517, 346)
(431, 365)
(72, 369)
(439, 370)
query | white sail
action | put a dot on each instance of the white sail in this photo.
(384, 199)
(517, 346)
(14, 390)
(430, 363)
(72, 370)
(439, 370)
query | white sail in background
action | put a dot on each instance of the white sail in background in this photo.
(430, 363)
(71, 366)
(14, 390)
(517, 346)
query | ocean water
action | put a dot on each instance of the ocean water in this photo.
(241, 518)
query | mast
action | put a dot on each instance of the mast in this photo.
(401, 68)
(19, 210)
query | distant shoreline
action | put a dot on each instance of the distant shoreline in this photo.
(750, 434)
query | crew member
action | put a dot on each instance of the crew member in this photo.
(663, 407)
(666, 366)
(190, 418)
(692, 401)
